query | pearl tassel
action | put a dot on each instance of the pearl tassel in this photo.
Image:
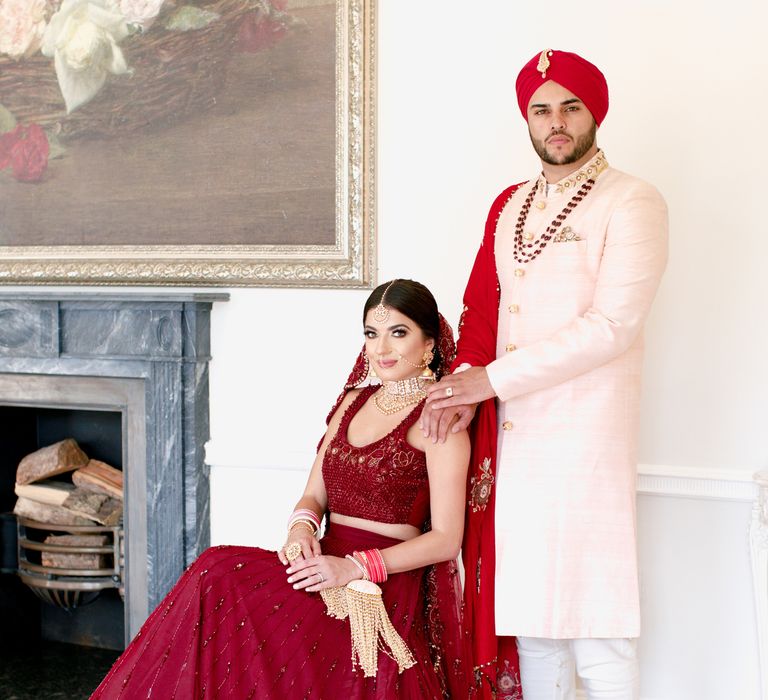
(369, 625)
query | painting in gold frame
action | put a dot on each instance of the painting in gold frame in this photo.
(269, 181)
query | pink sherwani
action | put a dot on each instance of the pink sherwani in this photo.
(568, 380)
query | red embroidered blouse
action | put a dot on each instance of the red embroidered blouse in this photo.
(385, 481)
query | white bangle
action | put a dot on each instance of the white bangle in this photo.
(358, 565)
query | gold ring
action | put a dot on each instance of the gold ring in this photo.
(449, 392)
(322, 578)
(293, 551)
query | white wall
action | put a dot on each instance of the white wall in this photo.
(688, 90)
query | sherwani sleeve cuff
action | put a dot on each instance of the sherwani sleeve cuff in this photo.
(498, 376)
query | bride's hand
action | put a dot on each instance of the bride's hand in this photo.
(310, 546)
(320, 572)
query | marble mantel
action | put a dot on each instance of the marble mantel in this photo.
(146, 356)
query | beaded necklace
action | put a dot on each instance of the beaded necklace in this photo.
(394, 396)
(521, 250)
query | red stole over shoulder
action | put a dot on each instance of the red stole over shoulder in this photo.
(494, 658)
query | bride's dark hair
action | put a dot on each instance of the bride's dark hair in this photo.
(414, 300)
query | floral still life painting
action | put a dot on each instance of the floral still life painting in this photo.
(177, 141)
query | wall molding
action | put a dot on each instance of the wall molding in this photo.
(758, 543)
(652, 479)
(695, 482)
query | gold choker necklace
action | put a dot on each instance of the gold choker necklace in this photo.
(394, 396)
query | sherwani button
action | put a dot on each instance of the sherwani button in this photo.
(519, 272)
(513, 308)
(541, 204)
(528, 236)
(511, 347)
(507, 425)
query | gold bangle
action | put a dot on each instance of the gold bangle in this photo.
(305, 523)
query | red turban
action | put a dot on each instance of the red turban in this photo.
(569, 70)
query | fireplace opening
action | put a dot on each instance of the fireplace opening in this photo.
(41, 617)
(126, 376)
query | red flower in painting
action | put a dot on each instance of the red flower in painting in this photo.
(257, 32)
(25, 150)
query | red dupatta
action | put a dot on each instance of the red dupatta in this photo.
(495, 659)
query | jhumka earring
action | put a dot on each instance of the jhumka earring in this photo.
(426, 360)
(370, 372)
(428, 374)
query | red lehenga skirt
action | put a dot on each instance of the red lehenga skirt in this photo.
(232, 627)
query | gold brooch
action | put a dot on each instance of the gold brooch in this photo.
(543, 65)
(566, 234)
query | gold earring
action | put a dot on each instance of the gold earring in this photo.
(370, 372)
(429, 355)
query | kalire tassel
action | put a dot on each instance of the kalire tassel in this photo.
(361, 601)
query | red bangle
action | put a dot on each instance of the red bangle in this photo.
(380, 565)
(374, 565)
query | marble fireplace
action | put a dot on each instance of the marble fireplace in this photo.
(143, 358)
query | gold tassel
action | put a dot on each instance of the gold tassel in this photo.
(335, 602)
(361, 601)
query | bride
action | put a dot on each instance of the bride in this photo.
(371, 609)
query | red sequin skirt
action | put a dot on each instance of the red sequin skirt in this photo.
(232, 627)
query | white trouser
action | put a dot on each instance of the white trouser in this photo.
(607, 668)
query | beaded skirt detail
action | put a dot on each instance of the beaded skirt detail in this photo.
(232, 627)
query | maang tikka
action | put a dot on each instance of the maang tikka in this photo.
(381, 312)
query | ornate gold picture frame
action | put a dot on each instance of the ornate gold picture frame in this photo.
(264, 178)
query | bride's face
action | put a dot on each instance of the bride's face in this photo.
(394, 343)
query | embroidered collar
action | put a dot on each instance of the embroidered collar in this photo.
(591, 169)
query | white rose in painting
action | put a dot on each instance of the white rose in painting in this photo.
(83, 39)
(22, 23)
(141, 12)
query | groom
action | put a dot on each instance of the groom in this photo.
(550, 355)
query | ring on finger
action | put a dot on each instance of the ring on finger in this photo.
(322, 578)
(293, 551)
(449, 392)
